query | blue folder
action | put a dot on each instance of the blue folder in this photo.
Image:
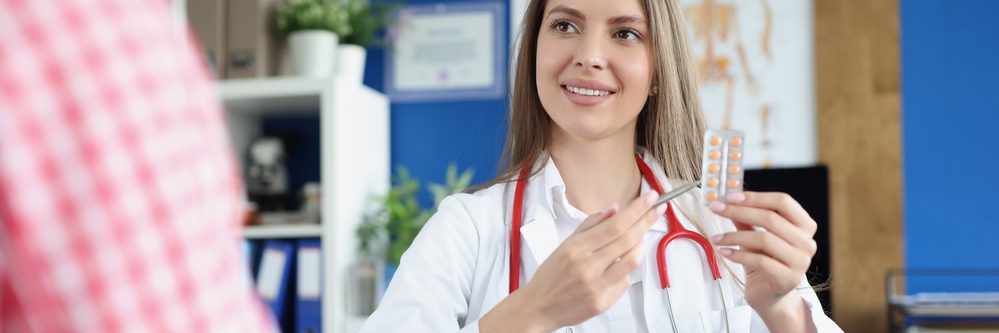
(250, 257)
(274, 275)
(308, 305)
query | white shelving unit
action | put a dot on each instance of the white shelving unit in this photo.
(283, 231)
(354, 125)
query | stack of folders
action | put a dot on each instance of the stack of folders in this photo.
(237, 36)
(287, 276)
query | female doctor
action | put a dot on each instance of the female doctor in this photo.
(599, 83)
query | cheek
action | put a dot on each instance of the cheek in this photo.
(635, 72)
(550, 61)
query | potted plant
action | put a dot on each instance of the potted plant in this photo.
(365, 19)
(313, 28)
(392, 226)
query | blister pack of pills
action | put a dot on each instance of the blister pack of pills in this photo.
(721, 164)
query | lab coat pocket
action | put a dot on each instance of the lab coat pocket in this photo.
(739, 318)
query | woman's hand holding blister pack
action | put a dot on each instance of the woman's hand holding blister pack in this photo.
(776, 257)
(774, 233)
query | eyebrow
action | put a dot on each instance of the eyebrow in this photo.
(617, 20)
(567, 11)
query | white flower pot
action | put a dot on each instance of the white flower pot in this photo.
(350, 62)
(313, 52)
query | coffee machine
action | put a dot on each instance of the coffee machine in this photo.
(266, 176)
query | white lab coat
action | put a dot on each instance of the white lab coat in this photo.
(458, 269)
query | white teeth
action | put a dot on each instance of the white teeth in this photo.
(587, 92)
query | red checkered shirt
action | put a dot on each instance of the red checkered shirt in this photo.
(119, 192)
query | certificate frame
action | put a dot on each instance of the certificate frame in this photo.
(396, 88)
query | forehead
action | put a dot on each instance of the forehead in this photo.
(599, 8)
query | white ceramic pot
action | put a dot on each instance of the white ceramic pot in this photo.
(350, 62)
(313, 52)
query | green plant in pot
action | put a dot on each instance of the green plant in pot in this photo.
(365, 20)
(314, 28)
(391, 227)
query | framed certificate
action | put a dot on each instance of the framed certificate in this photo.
(447, 52)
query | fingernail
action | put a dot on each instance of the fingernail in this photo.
(716, 206)
(736, 197)
(650, 198)
(725, 251)
(716, 238)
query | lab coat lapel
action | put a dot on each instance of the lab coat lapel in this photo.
(540, 237)
(538, 232)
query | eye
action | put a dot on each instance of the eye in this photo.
(563, 26)
(627, 34)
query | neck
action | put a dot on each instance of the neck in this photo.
(597, 173)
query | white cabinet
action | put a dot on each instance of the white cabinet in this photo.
(354, 125)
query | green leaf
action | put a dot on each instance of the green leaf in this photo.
(298, 15)
(393, 226)
(366, 19)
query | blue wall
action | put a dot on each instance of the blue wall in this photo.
(950, 124)
(427, 136)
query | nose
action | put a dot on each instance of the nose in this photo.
(590, 54)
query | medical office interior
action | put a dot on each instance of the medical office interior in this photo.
(879, 116)
(873, 114)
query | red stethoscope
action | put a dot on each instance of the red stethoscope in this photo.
(676, 231)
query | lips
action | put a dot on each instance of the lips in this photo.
(588, 84)
(586, 92)
(586, 97)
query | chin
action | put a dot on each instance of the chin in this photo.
(591, 130)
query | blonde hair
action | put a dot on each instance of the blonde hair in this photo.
(670, 124)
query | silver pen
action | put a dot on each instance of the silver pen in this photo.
(666, 197)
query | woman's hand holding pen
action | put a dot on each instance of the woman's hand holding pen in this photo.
(584, 276)
(774, 260)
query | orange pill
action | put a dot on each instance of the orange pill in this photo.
(734, 155)
(736, 141)
(733, 183)
(712, 196)
(715, 140)
(734, 169)
(712, 182)
(714, 154)
(713, 168)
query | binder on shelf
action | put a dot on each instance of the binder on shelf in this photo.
(250, 257)
(252, 46)
(207, 20)
(274, 274)
(308, 306)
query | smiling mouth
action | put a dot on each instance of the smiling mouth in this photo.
(586, 92)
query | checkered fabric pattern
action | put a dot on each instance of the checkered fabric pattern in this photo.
(119, 192)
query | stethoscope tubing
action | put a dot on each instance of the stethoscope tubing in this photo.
(676, 231)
